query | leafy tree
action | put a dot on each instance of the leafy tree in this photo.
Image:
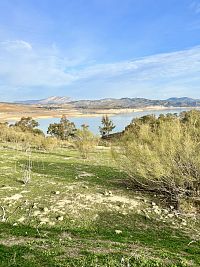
(62, 130)
(69, 128)
(56, 130)
(107, 126)
(28, 124)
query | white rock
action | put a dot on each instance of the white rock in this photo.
(60, 218)
(155, 207)
(21, 219)
(109, 193)
(118, 232)
(34, 206)
(44, 220)
(51, 223)
(157, 211)
(184, 223)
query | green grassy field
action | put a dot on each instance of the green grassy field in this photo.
(77, 212)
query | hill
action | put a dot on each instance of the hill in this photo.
(113, 103)
(53, 100)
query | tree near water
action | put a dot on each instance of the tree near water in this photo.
(28, 124)
(62, 130)
(107, 126)
(69, 128)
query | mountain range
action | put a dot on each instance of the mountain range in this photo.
(112, 103)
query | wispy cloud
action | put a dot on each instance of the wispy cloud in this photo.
(161, 65)
(15, 45)
(27, 68)
(195, 5)
(24, 66)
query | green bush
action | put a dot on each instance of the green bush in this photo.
(85, 141)
(162, 154)
(27, 139)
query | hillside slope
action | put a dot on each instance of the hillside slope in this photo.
(113, 103)
(135, 103)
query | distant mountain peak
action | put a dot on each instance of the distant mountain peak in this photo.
(55, 100)
(52, 100)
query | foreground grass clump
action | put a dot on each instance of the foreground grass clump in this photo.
(79, 212)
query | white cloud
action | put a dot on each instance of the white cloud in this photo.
(29, 68)
(162, 65)
(15, 45)
(24, 66)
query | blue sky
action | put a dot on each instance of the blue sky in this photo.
(89, 49)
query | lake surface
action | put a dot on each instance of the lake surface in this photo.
(120, 120)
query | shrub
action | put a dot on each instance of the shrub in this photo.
(85, 141)
(27, 139)
(162, 153)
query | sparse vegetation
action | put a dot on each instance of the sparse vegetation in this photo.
(85, 141)
(79, 208)
(25, 137)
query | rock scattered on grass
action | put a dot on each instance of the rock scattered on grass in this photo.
(107, 193)
(44, 220)
(60, 218)
(34, 206)
(56, 192)
(22, 219)
(118, 232)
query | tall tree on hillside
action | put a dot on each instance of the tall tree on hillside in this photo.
(107, 126)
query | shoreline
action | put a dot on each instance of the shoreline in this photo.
(74, 113)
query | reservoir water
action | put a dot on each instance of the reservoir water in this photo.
(120, 120)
